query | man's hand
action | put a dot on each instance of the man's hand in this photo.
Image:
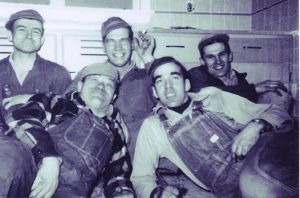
(124, 194)
(168, 191)
(47, 178)
(144, 47)
(244, 141)
(14, 100)
(270, 86)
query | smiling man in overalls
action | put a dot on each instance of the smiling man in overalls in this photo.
(207, 140)
(59, 146)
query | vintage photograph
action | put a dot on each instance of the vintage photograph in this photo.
(149, 98)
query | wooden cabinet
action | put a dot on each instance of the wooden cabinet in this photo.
(262, 56)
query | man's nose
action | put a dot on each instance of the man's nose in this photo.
(29, 34)
(118, 45)
(168, 84)
(218, 59)
(100, 85)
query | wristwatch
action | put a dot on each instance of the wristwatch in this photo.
(266, 125)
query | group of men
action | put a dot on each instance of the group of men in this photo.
(59, 138)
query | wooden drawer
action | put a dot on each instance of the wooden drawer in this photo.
(261, 50)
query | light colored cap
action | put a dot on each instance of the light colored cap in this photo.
(105, 69)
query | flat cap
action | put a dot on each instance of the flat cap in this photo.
(113, 23)
(104, 69)
(212, 38)
(23, 14)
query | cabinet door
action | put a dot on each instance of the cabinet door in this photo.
(183, 47)
(261, 56)
(79, 51)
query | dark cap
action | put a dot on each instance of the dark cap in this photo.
(113, 23)
(23, 14)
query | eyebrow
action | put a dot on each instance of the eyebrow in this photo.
(172, 73)
(23, 26)
(176, 73)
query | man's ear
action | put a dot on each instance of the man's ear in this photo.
(154, 92)
(202, 61)
(42, 40)
(10, 36)
(230, 57)
(79, 86)
(187, 85)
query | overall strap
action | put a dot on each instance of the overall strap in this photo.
(197, 109)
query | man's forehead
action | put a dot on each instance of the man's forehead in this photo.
(118, 33)
(166, 69)
(214, 47)
(28, 22)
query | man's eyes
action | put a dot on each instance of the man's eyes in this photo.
(158, 81)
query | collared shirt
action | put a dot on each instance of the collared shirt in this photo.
(30, 122)
(44, 77)
(153, 142)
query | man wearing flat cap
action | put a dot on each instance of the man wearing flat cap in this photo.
(134, 99)
(24, 72)
(60, 146)
(216, 70)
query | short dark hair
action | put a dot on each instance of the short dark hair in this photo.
(163, 60)
(211, 39)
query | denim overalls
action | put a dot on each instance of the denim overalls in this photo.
(203, 142)
(85, 144)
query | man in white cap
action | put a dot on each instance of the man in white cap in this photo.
(24, 73)
(59, 147)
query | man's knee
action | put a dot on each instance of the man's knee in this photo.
(255, 183)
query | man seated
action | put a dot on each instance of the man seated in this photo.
(208, 138)
(59, 147)
(216, 70)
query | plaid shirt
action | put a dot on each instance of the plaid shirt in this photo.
(29, 124)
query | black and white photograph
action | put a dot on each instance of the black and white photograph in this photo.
(149, 98)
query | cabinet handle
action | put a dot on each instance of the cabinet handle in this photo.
(177, 46)
(251, 47)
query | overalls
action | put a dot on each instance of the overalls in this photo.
(203, 142)
(85, 144)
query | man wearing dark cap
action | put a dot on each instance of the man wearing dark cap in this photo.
(60, 146)
(216, 70)
(24, 72)
(134, 98)
(207, 137)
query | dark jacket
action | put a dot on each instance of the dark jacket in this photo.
(200, 78)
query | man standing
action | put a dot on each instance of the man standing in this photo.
(24, 72)
(59, 146)
(134, 99)
(207, 139)
(216, 70)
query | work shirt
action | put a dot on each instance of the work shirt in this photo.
(153, 143)
(44, 77)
